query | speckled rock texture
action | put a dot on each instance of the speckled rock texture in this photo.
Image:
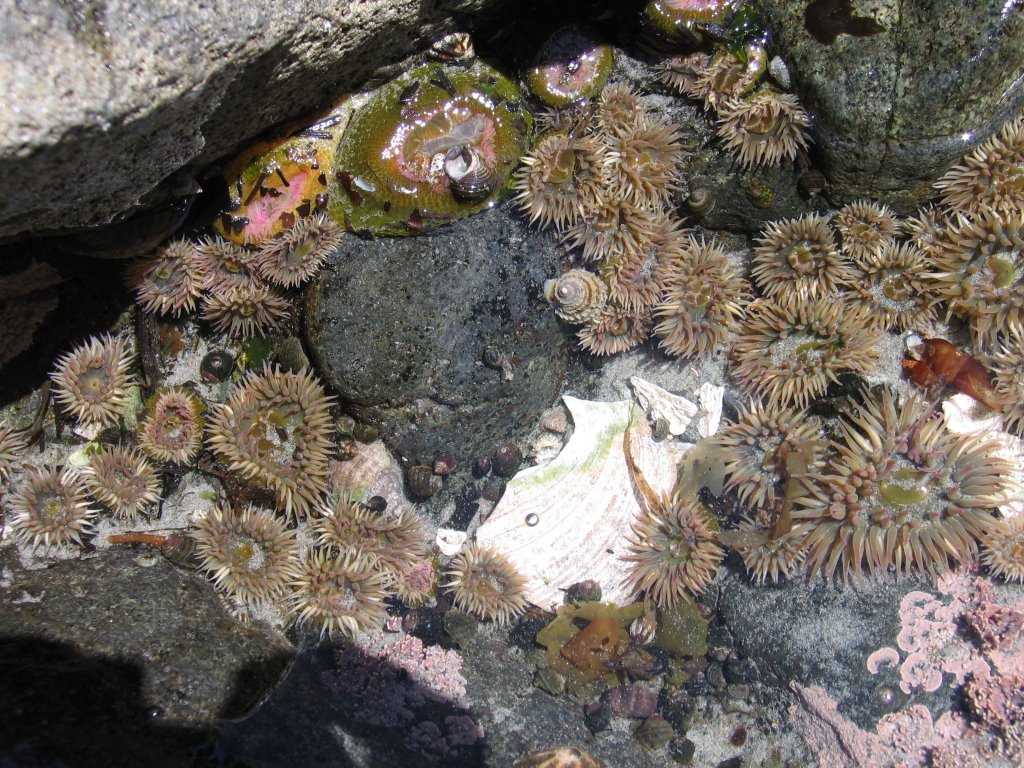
(406, 331)
(107, 105)
(116, 659)
(900, 89)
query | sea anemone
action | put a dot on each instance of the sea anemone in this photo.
(246, 311)
(613, 228)
(643, 163)
(673, 551)
(251, 555)
(764, 129)
(294, 256)
(397, 542)
(702, 299)
(632, 277)
(121, 479)
(578, 296)
(483, 582)
(767, 558)
(729, 76)
(616, 331)
(927, 228)
(559, 757)
(416, 585)
(760, 449)
(91, 382)
(682, 73)
(618, 110)
(340, 592)
(167, 282)
(12, 450)
(791, 351)
(1006, 364)
(560, 178)
(276, 429)
(222, 265)
(172, 429)
(1002, 549)
(980, 271)
(902, 492)
(570, 67)
(799, 258)
(991, 177)
(51, 509)
(866, 228)
(893, 287)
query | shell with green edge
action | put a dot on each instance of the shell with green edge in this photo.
(435, 144)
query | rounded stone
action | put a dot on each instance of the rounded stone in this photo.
(900, 89)
(398, 328)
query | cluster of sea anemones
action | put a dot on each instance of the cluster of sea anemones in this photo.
(241, 289)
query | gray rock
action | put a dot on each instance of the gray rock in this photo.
(400, 328)
(904, 88)
(121, 659)
(109, 106)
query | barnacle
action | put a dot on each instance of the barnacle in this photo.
(339, 592)
(50, 509)
(120, 478)
(702, 299)
(866, 228)
(250, 554)
(578, 296)
(294, 256)
(902, 492)
(673, 551)
(765, 128)
(167, 282)
(483, 582)
(791, 351)
(560, 178)
(91, 382)
(1002, 548)
(276, 429)
(246, 310)
(757, 449)
(980, 272)
(893, 287)
(172, 429)
(991, 177)
(799, 258)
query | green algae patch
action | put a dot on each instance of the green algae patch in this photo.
(682, 631)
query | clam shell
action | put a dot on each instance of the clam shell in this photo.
(659, 403)
(567, 521)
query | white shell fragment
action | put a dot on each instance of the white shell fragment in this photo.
(710, 418)
(568, 521)
(450, 541)
(659, 403)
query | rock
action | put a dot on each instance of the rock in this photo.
(121, 659)
(109, 107)
(398, 327)
(899, 89)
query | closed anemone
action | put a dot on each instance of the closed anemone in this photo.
(1002, 549)
(766, 128)
(903, 493)
(990, 177)
(246, 310)
(172, 429)
(166, 282)
(1006, 363)
(339, 593)
(12, 450)
(294, 256)
(643, 163)
(616, 331)
(222, 265)
(560, 178)
(799, 258)
(121, 479)
(866, 228)
(893, 287)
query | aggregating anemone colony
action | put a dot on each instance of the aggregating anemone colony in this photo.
(885, 487)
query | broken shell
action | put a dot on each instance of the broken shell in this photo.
(660, 404)
(450, 541)
(579, 296)
(565, 521)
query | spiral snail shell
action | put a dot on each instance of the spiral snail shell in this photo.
(579, 296)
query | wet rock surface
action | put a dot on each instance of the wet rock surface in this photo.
(899, 89)
(443, 342)
(121, 659)
(112, 106)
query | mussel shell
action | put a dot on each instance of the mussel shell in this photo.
(469, 178)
